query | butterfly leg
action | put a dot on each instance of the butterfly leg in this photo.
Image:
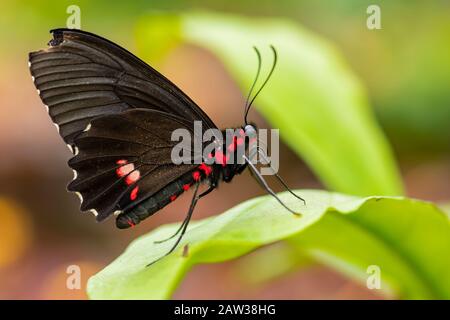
(261, 153)
(264, 184)
(176, 232)
(186, 220)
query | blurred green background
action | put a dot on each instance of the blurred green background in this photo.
(405, 68)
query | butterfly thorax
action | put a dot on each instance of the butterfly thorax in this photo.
(229, 156)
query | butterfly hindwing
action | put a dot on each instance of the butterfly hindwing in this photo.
(123, 159)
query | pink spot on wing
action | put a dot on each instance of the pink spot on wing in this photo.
(122, 161)
(130, 223)
(125, 169)
(173, 197)
(239, 141)
(134, 192)
(186, 187)
(132, 177)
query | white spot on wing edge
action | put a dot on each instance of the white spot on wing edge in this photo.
(117, 212)
(75, 174)
(88, 127)
(57, 127)
(46, 108)
(93, 211)
(32, 78)
(29, 64)
(79, 196)
(70, 148)
(38, 91)
(76, 150)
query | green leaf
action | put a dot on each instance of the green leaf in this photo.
(409, 240)
(446, 208)
(315, 100)
(269, 263)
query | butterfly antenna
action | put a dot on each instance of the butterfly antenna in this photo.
(258, 54)
(275, 59)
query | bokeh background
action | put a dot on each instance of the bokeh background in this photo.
(405, 68)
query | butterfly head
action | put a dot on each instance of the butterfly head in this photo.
(250, 130)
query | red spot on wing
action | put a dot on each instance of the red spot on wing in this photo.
(186, 187)
(131, 176)
(173, 197)
(232, 147)
(134, 193)
(130, 223)
(196, 175)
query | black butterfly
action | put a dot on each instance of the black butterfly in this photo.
(117, 114)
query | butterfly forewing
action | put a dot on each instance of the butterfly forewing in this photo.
(82, 76)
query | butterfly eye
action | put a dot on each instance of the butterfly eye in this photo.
(250, 130)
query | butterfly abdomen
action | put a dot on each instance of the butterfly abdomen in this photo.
(133, 216)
